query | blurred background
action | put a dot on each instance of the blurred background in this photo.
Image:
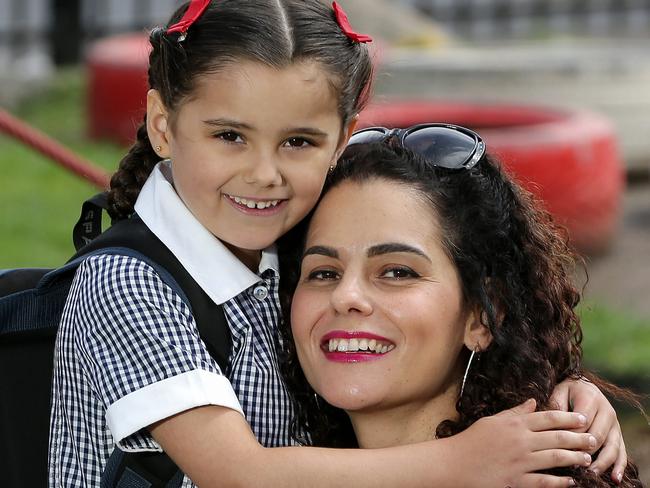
(560, 89)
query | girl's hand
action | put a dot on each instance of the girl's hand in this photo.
(507, 449)
(584, 397)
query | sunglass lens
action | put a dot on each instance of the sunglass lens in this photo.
(367, 135)
(443, 146)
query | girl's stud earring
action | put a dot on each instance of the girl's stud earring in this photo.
(158, 148)
(332, 168)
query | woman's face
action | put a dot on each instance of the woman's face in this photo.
(378, 316)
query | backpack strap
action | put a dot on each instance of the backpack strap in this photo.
(141, 470)
(134, 234)
(29, 319)
(89, 225)
(132, 237)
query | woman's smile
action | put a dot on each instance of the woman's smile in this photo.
(355, 346)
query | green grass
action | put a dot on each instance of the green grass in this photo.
(40, 202)
(616, 343)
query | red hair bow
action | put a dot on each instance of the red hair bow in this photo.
(343, 21)
(193, 12)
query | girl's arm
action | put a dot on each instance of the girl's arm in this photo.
(585, 397)
(214, 446)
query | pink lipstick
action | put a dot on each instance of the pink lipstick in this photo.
(355, 346)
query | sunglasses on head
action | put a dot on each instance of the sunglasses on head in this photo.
(443, 145)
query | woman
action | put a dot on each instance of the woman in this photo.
(432, 292)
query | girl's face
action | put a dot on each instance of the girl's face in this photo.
(250, 149)
(378, 315)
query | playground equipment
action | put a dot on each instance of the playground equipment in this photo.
(47, 146)
(117, 86)
(569, 159)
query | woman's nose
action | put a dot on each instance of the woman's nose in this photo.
(351, 296)
(264, 171)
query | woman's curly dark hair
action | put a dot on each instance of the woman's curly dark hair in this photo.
(515, 265)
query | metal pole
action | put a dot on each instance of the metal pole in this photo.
(53, 150)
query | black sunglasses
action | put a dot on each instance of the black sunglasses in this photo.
(443, 145)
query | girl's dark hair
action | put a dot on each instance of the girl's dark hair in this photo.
(274, 32)
(515, 265)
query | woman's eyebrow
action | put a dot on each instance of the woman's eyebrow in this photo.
(322, 251)
(392, 247)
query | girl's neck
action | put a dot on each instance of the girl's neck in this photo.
(250, 258)
(405, 424)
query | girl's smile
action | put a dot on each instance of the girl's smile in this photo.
(256, 206)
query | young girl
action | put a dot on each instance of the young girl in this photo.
(251, 103)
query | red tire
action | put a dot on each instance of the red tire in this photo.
(117, 86)
(569, 159)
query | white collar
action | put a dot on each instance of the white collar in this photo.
(221, 275)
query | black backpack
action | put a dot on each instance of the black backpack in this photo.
(31, 304)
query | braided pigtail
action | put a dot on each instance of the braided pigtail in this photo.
(131, 175)
(139, 162)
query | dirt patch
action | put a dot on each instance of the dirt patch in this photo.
(621, 278)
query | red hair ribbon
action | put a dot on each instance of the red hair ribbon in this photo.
(343, 21)
(193, 12)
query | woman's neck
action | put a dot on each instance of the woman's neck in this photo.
(404, 424)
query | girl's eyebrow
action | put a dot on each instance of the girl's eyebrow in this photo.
(322, 251)
(392, 247)
(228, 123)
(235, 124)
(312, 131)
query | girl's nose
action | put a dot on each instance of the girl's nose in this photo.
(264, 171)
(350, 296)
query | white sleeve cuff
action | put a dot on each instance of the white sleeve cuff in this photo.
(168, 397)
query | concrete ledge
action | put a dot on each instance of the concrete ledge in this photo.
(612, 78)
